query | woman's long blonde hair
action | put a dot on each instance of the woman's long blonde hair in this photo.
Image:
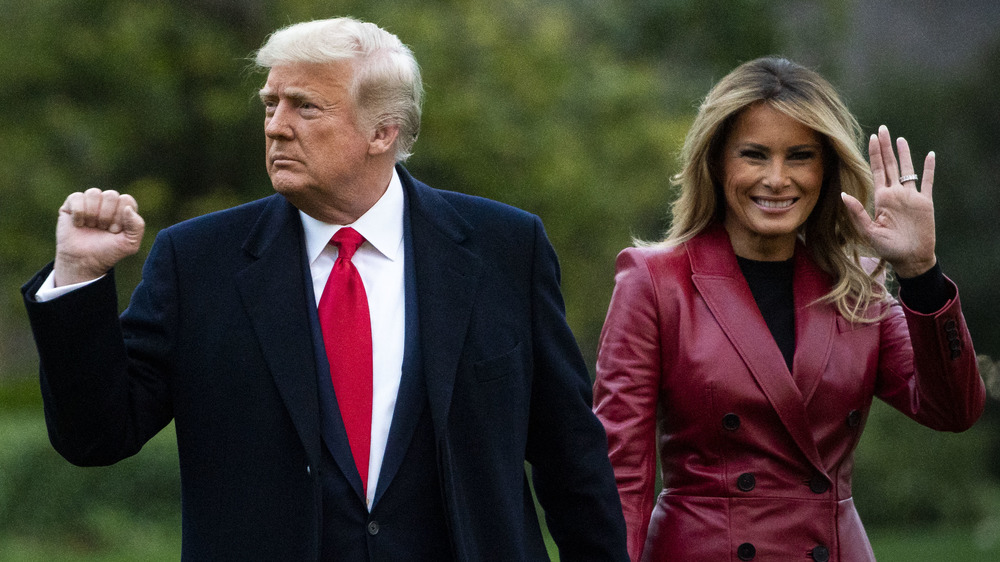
(802, 94)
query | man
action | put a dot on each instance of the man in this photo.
(358, 366)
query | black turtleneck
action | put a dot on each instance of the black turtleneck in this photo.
(771, 285)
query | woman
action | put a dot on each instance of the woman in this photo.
(748, 345)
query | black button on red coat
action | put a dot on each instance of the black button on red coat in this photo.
(746, 551)
(820, 554)
(818, 484)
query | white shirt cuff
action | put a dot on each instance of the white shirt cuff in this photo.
(48, 291)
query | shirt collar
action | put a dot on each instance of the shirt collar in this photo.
(381, 225)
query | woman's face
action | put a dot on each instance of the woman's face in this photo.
(772, 174)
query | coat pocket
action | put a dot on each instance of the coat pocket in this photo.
(501, 366)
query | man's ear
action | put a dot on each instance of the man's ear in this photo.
(383, 139)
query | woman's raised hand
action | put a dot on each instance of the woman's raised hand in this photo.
(902, 231)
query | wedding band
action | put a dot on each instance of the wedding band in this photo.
(911, 177)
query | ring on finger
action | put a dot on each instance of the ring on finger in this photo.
(908, 177)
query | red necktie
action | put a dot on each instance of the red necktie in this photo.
(347, 335)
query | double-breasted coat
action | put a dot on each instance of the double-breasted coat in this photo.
(757, 460)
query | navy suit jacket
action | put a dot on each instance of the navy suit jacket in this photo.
(218, 338)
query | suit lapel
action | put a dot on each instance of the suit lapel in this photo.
(717, 276)
(412, 395)
(275, 298)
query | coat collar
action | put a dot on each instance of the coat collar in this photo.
(716, 274)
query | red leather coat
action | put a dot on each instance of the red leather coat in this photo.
(757, 461)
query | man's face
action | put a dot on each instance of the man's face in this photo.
(317, 156)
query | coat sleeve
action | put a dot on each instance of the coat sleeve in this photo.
(566, 447)
(627, 389)
(104, 381)
(928, 368)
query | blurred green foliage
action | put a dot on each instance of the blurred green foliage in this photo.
(50, 509)
(571, 109)
(908, 473)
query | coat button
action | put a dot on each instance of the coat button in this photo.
(309, 470)
(818, 484)
(854, 418)
(820, 554)
(372, 528)
(731, 422)
(746, 551)
(956, 348)
(746, 482)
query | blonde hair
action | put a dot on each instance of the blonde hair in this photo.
(802, 94)
(386, 84)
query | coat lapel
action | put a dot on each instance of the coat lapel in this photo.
(716, 274)
(275, 298)
(815, 324)
(447, 274)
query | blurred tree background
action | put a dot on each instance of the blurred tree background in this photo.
(571, 109)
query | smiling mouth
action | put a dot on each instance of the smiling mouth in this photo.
(772, 204)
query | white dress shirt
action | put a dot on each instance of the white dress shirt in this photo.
(379, 260)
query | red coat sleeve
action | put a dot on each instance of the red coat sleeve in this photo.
(928, 368)
(627, 388)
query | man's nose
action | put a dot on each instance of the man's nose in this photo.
(278, 124)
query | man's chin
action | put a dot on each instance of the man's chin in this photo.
(286, 186)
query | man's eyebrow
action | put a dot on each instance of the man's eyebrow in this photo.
(293, 94)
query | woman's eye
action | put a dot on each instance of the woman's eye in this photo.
(802, 155)
(753, 154)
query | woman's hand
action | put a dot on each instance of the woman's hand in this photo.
(903, 230)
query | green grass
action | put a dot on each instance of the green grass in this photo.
(151, 543)
(938, 545)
